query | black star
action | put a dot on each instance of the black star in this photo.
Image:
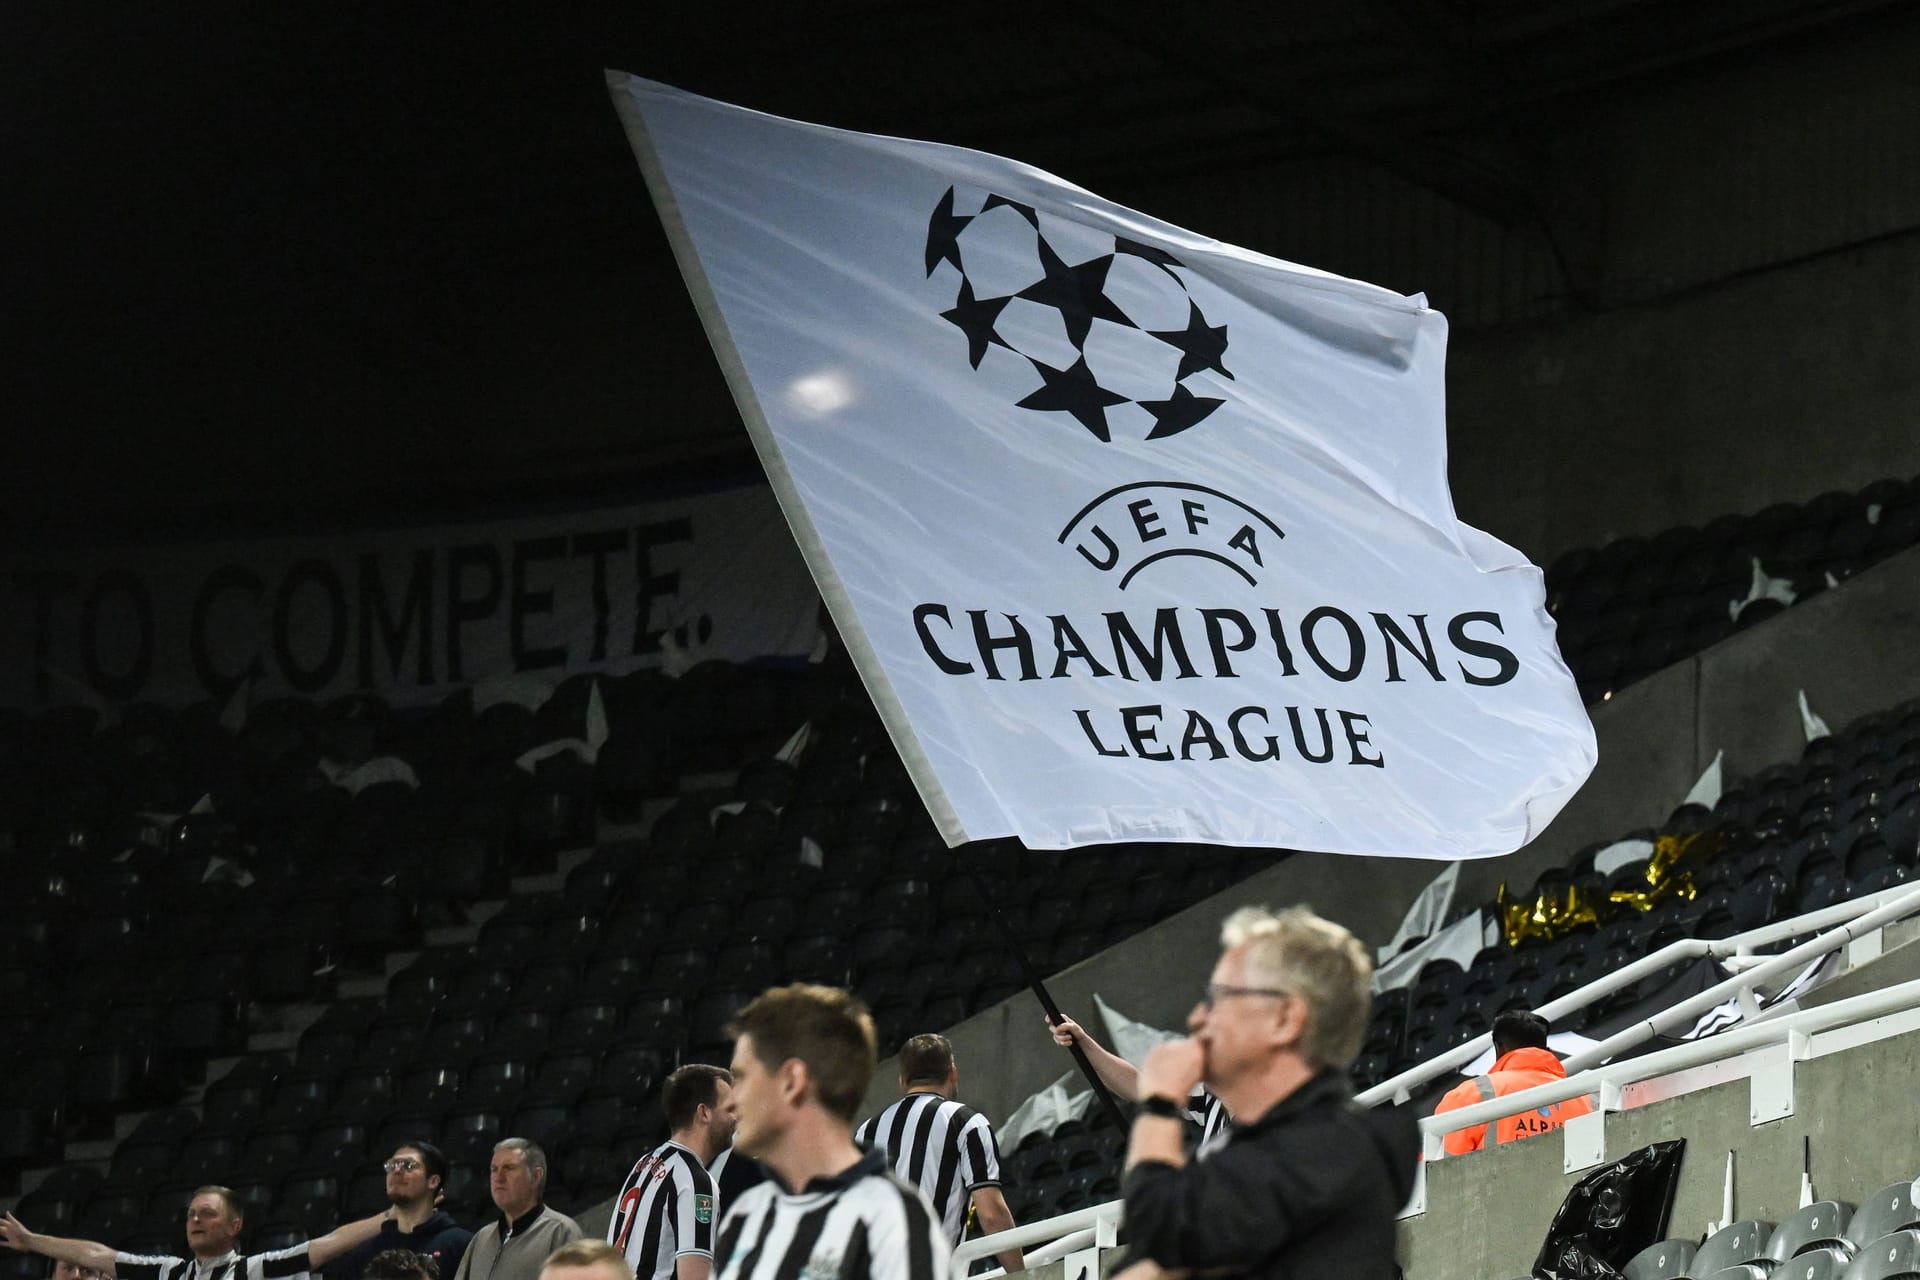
(1178, 412)
(1024, 210)
(1200, 344)
(976, 319)
(1077, 292)
(1073, 390)
(1158, 257)
(943, 235)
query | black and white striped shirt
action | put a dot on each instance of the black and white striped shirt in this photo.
(274, 1264)
(665, 1210)
(943, 1147)
(1211, 1115)
(863, 1224)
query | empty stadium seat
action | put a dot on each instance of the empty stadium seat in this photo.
(1894, 1256)
(1735, 1244)
(1887, 1210)
(1818, 1225)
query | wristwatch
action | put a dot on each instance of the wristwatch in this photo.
(1159, 1104)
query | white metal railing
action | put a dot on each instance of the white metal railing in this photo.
(1791, 1030)
(1839, 925)
(1081, 1232)
(1080, 1235)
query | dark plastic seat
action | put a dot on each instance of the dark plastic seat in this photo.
(402, 1127)
(818, 958)
(1733, 1245)
(1887, 1210)
(1822, 1263)
(586, 1028)
(273, 1151)
(600, 1111)
(1821, 1224)
(430, 1088)
(111, 1215)
(495, 1081)
(142, 1164)
(469, 1134)
(1894, 1256)
(336, 1142)
(206, 1157)
(364, 1088)
(542, 1117)
(524, 1032)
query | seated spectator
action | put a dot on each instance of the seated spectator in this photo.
(1522, 1061)
(416, 1176)
(213, 1237)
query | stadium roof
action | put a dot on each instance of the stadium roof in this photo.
(359, 260)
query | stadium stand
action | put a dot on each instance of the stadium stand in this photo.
(1636, 605)
(545, 1003)
(532, 980)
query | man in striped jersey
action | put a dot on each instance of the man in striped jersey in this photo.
(944, 1147)
(803, 1057)
(1123, 1078)
(213, 1237)
(663, 1220)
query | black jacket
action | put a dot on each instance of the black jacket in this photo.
(439, 1237)
(1309, 1189)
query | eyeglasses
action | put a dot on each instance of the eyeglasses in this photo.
(1218, 991)
(405, 1164)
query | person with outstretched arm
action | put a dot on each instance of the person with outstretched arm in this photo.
(1123, 1078)
(214, 1223)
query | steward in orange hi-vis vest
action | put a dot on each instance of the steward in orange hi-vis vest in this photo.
(1520, 1038)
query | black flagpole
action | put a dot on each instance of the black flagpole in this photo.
(1046, 1001)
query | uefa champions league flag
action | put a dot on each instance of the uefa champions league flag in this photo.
(1134, 535)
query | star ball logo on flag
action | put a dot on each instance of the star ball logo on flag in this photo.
(1082, 338)
(1133, 535)
(1063, 320)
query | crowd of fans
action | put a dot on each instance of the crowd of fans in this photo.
(1270, 1044)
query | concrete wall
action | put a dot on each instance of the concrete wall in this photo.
(1487, 1213)
(1853, 650)
(1770, 388)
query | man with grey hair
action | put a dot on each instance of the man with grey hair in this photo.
(1307, 1184)
(513, 1246)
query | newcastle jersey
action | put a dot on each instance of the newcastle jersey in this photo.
(1210, 1114)
(665, 1209)
(273, 1264)
(945, 1148)
(863, 1224)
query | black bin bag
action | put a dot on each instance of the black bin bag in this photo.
(1612, 1214)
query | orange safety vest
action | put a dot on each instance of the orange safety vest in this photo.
(1512, 1072)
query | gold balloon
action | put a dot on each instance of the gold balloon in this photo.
(1669, 874)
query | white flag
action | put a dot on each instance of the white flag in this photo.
(1134, 535)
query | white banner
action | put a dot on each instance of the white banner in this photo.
(1135, 535)
(411, 613)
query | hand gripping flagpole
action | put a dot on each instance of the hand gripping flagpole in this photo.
(1039, 987)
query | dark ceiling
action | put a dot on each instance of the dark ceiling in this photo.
(275, 264)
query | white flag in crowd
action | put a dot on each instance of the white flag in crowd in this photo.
(1134, 535)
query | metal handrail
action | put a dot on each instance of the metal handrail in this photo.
(1855, 917)
(1046, 1231)
(1838, 925)
(1693, 1053)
